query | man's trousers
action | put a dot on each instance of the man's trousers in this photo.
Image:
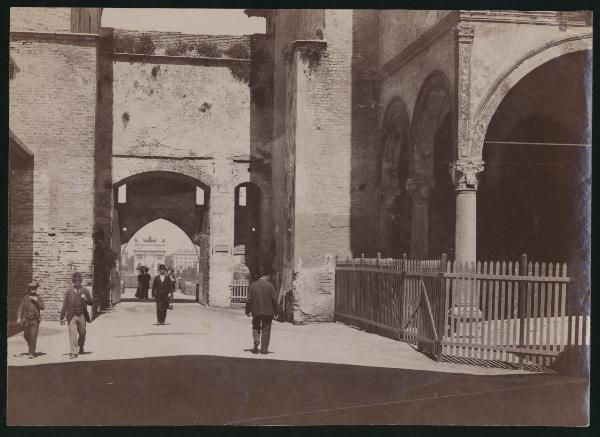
(261, 331)
(77, 333)
(31, 333)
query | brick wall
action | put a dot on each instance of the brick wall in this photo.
(179, 110)
(365, 115)
(400, 28)
(20, 246)
(52, 111)
(322, 192)
(282, 162)
(40, 19)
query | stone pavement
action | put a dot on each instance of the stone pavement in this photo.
(129, 331)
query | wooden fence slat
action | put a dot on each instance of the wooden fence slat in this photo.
(484, 321)
(491, 310)
(502, 341)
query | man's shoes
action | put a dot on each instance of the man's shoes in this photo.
(80, 349)
(31, 355)
(73, 356)
(255, 349)
(264, 352)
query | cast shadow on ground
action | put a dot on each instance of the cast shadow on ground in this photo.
(204, 390)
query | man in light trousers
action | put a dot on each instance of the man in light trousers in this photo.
(74, 309)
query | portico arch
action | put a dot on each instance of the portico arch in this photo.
(393, 212)
(510, 77)
(534, 193)
(430, 184)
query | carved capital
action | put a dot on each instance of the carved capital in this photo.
(464, 33)
(465, 174)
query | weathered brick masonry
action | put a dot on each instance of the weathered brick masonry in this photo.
(20, 215)
(52, 110)
(191, 116)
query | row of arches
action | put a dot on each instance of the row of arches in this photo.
(536, 150)
(413, 180)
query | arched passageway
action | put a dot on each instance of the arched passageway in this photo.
(537, 152)
(160, 242)
(393, 212)
(178, 199)
(432, 191)
(246, 235)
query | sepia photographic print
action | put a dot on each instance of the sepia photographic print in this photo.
(299, 217)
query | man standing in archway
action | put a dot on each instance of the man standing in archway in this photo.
(161, 288)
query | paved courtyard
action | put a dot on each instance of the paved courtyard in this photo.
(198, 370)
(130, 331)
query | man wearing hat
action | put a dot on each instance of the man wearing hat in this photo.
(74, 308)
(262, 303)
(28, 314)
(161, 287)
(143, 283)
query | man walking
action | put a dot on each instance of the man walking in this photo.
(263, 305)
(161, 288)
(28, 314)
(74, 308)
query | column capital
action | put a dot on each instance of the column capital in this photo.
(464, 33)
(465, 174)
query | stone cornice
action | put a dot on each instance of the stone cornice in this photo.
(305, 46)
(551, 18)
(163, 59)
(440, 29)
(177, 158)
(90, 39)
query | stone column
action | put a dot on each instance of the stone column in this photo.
(419, 195)
(465, 177)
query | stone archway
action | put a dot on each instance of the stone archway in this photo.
(246, 235)
(509, 78)
(180, 199)
(393, 212)
(430, 184)
(533, 195)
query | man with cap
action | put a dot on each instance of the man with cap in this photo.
(161, 288)
(28, 314)
(74, 308)
(262, 303)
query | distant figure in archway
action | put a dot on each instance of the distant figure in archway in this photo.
(161, 288)
(143, 283)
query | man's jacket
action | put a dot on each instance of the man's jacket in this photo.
(262, 299)
(161, 289)
(68, 303)
(30, 309)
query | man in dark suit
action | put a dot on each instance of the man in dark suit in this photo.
(28, 314)
(74, 308)
(161, 287)
(262, 303)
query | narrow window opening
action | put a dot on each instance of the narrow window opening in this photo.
(122, 197)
